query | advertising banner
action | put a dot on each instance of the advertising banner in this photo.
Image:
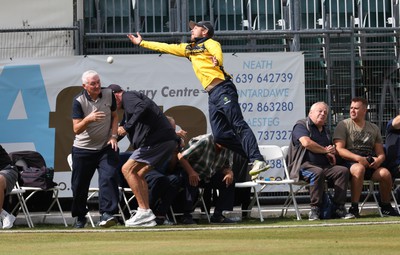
(36, 97)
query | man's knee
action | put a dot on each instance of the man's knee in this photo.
(357, 170)
(132, 167)
(383, 175)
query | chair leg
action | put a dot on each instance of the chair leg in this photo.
(366, 198)
(286, 205)
(375, 198)
(371, 191)
(55, 200)
(127, 201)
(173, 214)
(61, 211)
(89, 214)
(395, 201)
(91, 220)
(121, 212)
(296, 208)
(258, 204)
(24, 208)
(204, 205)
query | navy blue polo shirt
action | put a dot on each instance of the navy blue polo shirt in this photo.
(322, 138)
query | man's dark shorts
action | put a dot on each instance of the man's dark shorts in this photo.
(11, 176)
(368, 172)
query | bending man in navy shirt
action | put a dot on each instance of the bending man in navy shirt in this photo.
(153, 140)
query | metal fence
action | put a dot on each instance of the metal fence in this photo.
(39, 42)
(339, 65)
(152, 16)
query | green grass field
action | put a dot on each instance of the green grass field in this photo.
(368, 235)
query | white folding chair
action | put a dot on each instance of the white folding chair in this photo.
(55, 191)
(34, 190)
(94, 192)
(276, 154)
(22, 204)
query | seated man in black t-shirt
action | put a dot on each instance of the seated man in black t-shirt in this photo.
(392, 146)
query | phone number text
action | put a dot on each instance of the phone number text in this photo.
(267, 107)
(277, 135)
(263, 78)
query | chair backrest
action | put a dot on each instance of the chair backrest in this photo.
(69, 160)
(31, 158)
(285, 150)
(271, 152)
(274, 153)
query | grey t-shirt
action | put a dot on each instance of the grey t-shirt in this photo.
(358, 141)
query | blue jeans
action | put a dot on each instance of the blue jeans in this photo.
(227, 124)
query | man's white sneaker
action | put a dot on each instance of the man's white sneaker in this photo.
(139, 218)
(148, 224)
(8, 221)
(258, 167)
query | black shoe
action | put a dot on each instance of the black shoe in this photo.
(107, 220)
(341, 213)
(159, 220)
(355, 211)
(163, 221)
(314, 213)
(388, 210)
(188, 220)
(220, 219)
(80, 222)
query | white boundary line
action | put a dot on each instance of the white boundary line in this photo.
(155, 229)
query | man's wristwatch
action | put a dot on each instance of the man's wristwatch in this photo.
(114, 136)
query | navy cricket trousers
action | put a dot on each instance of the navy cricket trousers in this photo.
(227, 124)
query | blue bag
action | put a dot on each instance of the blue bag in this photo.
(328, 208)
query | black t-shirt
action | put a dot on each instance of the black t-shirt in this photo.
(392, 146)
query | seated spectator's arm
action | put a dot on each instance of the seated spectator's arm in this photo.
(380, 156)
(314, 147)
(228, 178)
(348, 155)
(182, 135)
(193, 175)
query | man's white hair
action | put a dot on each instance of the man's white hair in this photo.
(87, 74)
(318, 103)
